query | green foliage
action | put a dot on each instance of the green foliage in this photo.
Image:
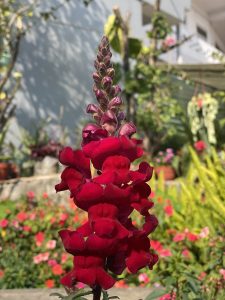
(193, 231)
(160, 26)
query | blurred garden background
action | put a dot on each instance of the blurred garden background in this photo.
(170, 63)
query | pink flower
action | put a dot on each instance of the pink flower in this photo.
(168, 210)
(121, 284)
(64, 217)
(32, 216)
(30, 195)
(80, 285)
(179, 237)
(169, 41)
(21, 216)
(64, 258)
(37, 259)
(39, 238)
(44, 256)
(165, 253)
(51, 244)
(222, 272)
(2, 273)
(27, 228)
(152, 195)
(4, 223)
(52, 262)
(156, 245)
(15, 224)
(192, 237)
(202, 275)
(204, 233)
(168, 297)
(186, 253)
(143, 277)
(45, 196)
(200, 146)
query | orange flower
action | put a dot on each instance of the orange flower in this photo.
(49, 283)
(57, 270)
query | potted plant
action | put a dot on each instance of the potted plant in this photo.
(164, 164)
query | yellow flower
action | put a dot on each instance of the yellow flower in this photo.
(3, 233)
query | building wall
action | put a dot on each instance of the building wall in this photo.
(56, 59)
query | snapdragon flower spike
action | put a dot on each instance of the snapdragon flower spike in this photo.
(108, 242)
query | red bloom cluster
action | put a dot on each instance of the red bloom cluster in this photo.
(108, 241)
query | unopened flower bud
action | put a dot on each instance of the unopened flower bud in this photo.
(109, 117)
(121, 116)
(99, 57)
(96, 77)
(104, 51)
(99, 93)
(117, 101)
(107, 60)
(117, 90)
(106, 82)
(102, 68)
(92, 108)
(104, 41)
(110, 72)
(127, 129)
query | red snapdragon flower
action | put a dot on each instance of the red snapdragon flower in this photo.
(108, 240)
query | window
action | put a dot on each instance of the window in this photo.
(201, 33)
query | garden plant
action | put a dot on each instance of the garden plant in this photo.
(109, 192)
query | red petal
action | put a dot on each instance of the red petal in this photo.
(75, 159)
(104, 279)
(89, 194)
(73, 241)
(144, 173)
(150, 225)
(69, 279)
(87, 276)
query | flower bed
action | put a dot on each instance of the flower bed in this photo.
(31, 254)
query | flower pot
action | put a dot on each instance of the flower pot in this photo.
(167, 171)
(8, 170)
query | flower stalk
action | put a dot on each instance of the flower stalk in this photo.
(108, 242)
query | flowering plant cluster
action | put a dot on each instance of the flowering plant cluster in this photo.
(30, 253)
(108, 242)
(165, 157)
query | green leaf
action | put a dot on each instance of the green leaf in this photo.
(135, 46)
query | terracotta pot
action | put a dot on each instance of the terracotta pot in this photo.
(167, 171)
(8, 170)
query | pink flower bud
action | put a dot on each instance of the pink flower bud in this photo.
(127, 129)
(108, 116)
(117, 101)
(92, 108)
(106, 81)
(121, 116)
(110, 72)
(96, 77)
